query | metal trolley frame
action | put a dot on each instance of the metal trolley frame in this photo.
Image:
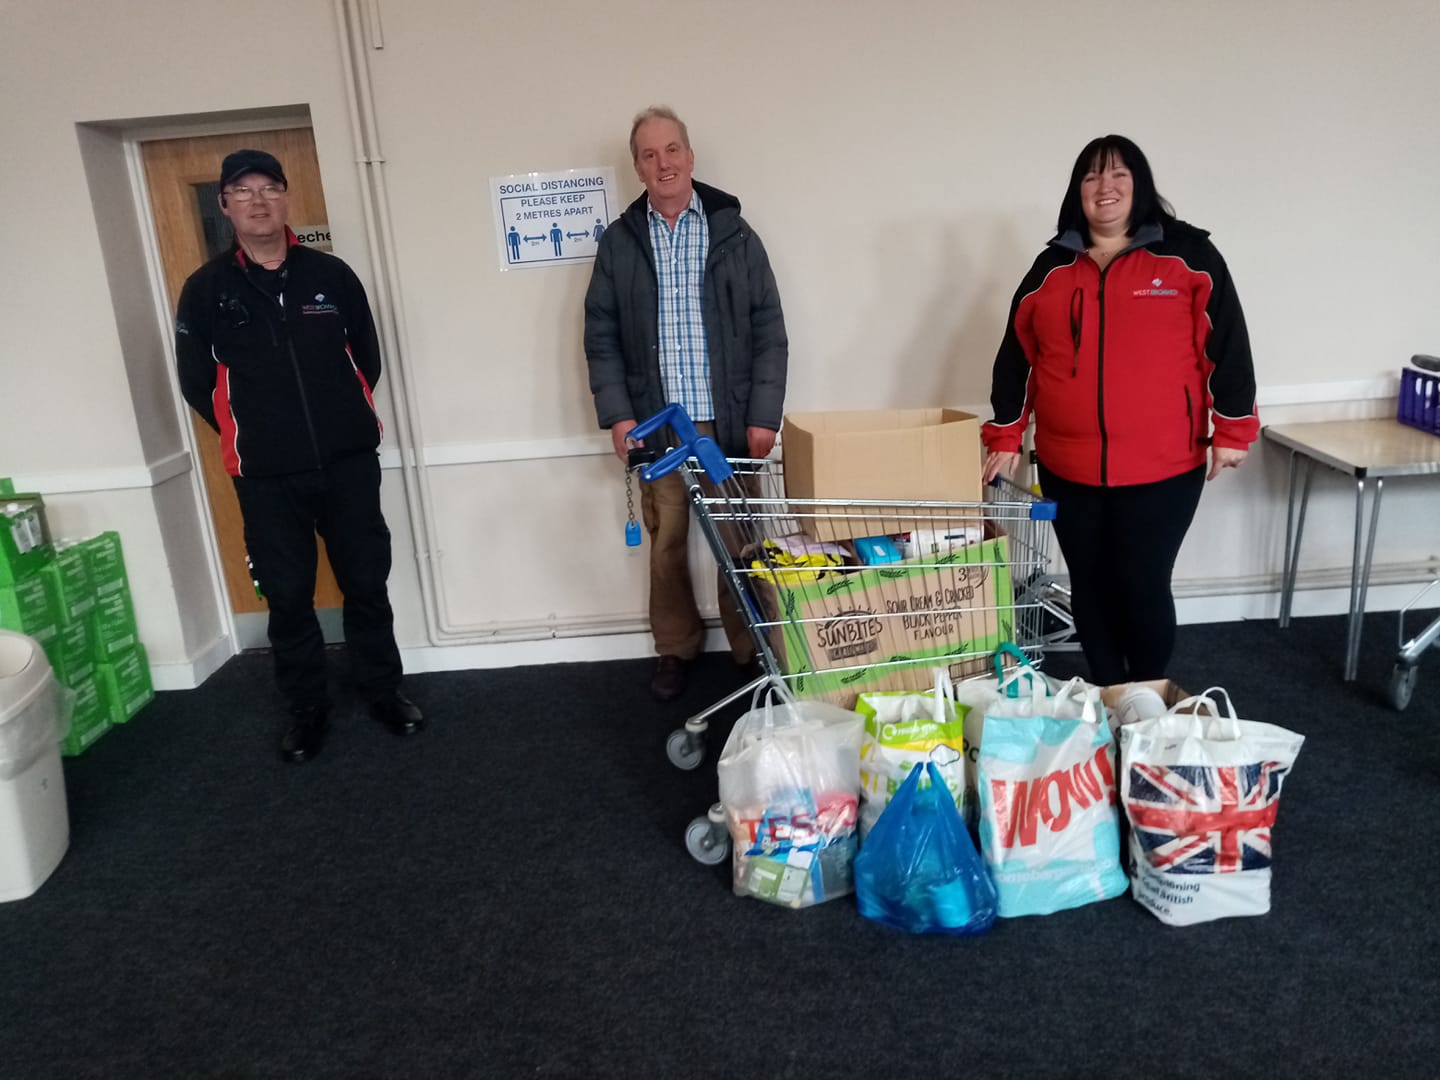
(942, 584)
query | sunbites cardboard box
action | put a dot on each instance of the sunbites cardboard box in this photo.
(899, 455)
(952, 614)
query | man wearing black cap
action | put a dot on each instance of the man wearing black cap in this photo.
(277, 352)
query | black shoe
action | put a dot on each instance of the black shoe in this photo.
(668, 682)
(398, 713)
(305, 734)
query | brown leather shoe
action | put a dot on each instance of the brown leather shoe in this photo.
(668, 682)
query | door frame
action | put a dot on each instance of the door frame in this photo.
(249, 634)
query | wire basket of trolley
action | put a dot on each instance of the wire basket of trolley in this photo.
(850, 596)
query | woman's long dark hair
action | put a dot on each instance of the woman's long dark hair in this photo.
(1147, 206)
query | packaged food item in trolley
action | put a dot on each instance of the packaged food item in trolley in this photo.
(790, 783)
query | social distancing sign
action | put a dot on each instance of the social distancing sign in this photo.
(551, 218)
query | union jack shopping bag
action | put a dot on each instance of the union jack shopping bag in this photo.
(1201, 791)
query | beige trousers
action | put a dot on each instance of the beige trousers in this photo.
(674, 618)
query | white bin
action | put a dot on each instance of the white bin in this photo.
(34, 821)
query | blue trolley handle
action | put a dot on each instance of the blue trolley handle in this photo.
(690, 444)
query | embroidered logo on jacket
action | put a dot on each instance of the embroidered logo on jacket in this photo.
(319, 307)
(1156, 290)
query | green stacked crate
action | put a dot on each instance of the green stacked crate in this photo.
(70, 584)
(122, 669)
(71, 657)
(26, 607)
(125, 683)
(112, 619)
(91, 717)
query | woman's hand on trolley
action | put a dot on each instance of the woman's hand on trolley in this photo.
(1224, 457)
(999, 463)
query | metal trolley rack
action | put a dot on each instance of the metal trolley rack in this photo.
(844, 595)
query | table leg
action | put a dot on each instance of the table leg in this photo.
(1360, 573)
(1296, 528)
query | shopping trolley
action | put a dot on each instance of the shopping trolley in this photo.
(841, 596)
(1406, 671)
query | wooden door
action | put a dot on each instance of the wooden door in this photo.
(183, 179)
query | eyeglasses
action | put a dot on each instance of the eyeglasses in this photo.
(245, 194)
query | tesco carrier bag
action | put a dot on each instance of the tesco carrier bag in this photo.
(790, 785)
(1049, 828)
(1201, 790)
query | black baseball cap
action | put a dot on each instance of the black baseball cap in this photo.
(241, 162)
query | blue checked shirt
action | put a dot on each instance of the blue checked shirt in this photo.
(680, 272)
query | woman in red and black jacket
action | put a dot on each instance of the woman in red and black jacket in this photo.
(1127, 343)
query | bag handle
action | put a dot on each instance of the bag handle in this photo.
(1009, 685)
(770, 689)
(1090, 709)
(1228, 723)
(943, 704)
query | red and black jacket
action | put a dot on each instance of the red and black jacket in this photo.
(287, 380)
(1132, 371)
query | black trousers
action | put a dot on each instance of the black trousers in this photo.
(1120, 544)
(282, 516)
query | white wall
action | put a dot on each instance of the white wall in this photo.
(903, 163)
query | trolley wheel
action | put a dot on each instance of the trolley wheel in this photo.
(684, 750)
(1402, 684)
(707, 842)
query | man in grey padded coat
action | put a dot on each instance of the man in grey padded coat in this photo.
(682, 307)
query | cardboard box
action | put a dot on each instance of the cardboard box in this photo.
(89, 721)
(894, 455)
(26, 607)
(125, 684)
(24, 537)
(1110, 696)
(889, 626)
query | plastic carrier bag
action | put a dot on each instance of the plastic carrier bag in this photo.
(904, 729)
(1201, 790)
(1049, 828)
(919, 870)
(790, 784)
(975, 697)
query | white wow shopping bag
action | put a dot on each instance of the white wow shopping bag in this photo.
(1201, 790)
(1049, 829)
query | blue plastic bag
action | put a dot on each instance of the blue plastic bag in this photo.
(918, 870)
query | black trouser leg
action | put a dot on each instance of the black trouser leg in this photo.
(1151, 521)
(1120, 545)
(279, 514)
(357, 541)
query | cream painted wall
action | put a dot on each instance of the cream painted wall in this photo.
(903, 164)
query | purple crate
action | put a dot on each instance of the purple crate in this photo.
(1419, 400)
